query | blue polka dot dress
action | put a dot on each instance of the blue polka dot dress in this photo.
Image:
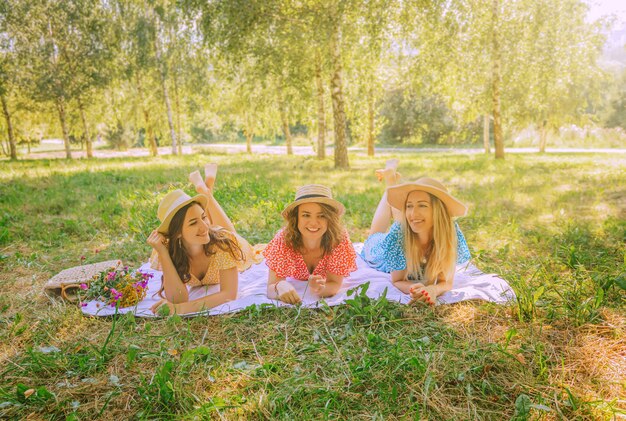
(385, 251)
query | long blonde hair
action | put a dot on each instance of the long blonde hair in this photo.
(442, 259)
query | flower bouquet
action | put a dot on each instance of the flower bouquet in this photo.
(119, 287)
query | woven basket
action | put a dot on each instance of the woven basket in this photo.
(67, 282)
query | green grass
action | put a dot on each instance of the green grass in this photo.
(553, 225)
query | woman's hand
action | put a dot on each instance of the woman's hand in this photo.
(423, 294)
(317, 283)
(158, 242)
(163, 308)
(287, 293)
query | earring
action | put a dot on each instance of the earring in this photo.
(180, 242)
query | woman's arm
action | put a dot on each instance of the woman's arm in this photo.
(325, 287)
(175, 289)
(399, 280)
(229, 282)
(279, 289)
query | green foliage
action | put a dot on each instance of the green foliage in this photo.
(415, 119)
(238, 69)
(617, 116)
(119, 136)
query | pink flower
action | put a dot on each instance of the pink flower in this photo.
(83, 286)
(116, 294)
(83, 304)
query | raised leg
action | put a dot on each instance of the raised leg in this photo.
(382, 217)
(214, 210)
(210, 172)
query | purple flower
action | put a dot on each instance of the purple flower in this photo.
(111, 276)
(83, 286)
(116, 294)
(83, 304)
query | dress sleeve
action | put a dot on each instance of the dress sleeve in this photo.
(278, 256)
(342, 260)
(462, 251)
(394, 248)
(224, 260)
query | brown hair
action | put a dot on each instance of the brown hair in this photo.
(442, 259)
(219, 238)
(332, 237)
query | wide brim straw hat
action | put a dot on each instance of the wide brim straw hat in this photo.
(313, 193)
(172, 202)
(396, 195)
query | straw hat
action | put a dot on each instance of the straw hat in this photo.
(172, 202)
(314, 193)
(396, 195)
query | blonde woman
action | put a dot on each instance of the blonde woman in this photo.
(195, 245)
(423, 245)
(313, 246)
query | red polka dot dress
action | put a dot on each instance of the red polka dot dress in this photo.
(288, 263)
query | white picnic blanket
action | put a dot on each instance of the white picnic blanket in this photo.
(469, 283)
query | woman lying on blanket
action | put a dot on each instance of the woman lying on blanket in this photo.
(196, 244)
(313, 246)
(424, 244)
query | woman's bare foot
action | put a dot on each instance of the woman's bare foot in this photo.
(196, 180)
(210, 173)
(389, 173)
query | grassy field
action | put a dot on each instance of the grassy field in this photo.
(552, 225)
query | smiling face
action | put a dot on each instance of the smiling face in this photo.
(312, 222)
(419, 213)
(195, 229)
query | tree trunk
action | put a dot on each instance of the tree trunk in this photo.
(154, 151)
(86, 129)
(321, 113)
(486, 134)
(7, 117)
(370, 122)
(497, 123)
(543, 136)
(285, 121)
(163, 70)
(169, 113)
(177, 105)
(175, 69)
(249, 135)
(66, 136)
(339, 115)
(248, 132)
